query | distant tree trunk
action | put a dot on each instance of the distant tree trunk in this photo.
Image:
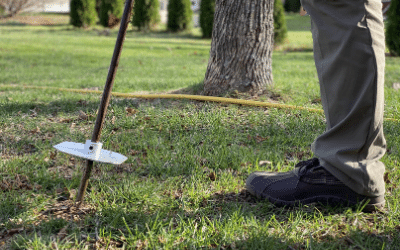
(241, 48)
(14, 7)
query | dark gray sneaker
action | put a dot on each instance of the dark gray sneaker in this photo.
(308, 183)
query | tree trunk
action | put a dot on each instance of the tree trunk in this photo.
(241, 48)
(6, 16)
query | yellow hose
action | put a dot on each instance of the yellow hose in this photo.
(190, 97)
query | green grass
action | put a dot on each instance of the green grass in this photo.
(182, 185)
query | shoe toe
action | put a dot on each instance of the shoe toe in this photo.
(257, 182)
(249, 183)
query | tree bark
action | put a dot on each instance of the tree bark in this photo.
(241, 48)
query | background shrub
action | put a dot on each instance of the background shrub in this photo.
(83, 13)
(207, 9)
(393, 28)
(146, 14)
(98, 3)
(111, 12)
(280, 28)
(2, 11)
(292, 5)
(180, 15)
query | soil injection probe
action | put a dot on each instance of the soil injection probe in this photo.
(92, 149)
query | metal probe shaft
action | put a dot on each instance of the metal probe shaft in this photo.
(106, 95)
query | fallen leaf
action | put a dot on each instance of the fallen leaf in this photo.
(131, 111)
(65, 120)
(316, 100)
(212, 176)
(82, 115)
(34, 114)
(54, 245)
(261, 139)
(81, 102)
(37, 186)
(141, 244)
(53, 155)
(63, 233)
(113, 120)
(37, 130)
(15, 231)
(386, 178)
(135, 152)
(245, 164)
(72, 194)
(396, 85)
(262, 163)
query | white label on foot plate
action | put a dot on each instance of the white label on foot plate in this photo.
(91, 151)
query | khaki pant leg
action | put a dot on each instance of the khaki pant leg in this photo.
(349, 55)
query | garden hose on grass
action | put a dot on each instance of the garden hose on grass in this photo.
(188, 97)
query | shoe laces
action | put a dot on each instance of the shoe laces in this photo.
(309, 165)
(311, 171)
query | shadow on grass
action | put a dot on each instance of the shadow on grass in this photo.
(222, 209)
(146, 221)
(12, 205)
(300, 49)
(166, 34)
(13, 24)
(33, 109)
(218, 208)
(194, 89)
(354, 239)
(182, 38)
(19, 24)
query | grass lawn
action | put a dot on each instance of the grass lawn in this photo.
(182, 186)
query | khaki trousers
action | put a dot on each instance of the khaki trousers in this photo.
(349, 47)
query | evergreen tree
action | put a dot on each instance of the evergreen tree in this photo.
(393, 28)
(292, 5)
(111, 12)
(154, 13)
(2, 10)
(98, 4)
(207, 8)
(146, 14)
(83, 13)
(280, 28)
(180, 15)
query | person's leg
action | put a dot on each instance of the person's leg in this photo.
(349, 55)
(349, 47)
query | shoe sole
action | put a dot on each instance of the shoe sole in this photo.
(324, 199)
